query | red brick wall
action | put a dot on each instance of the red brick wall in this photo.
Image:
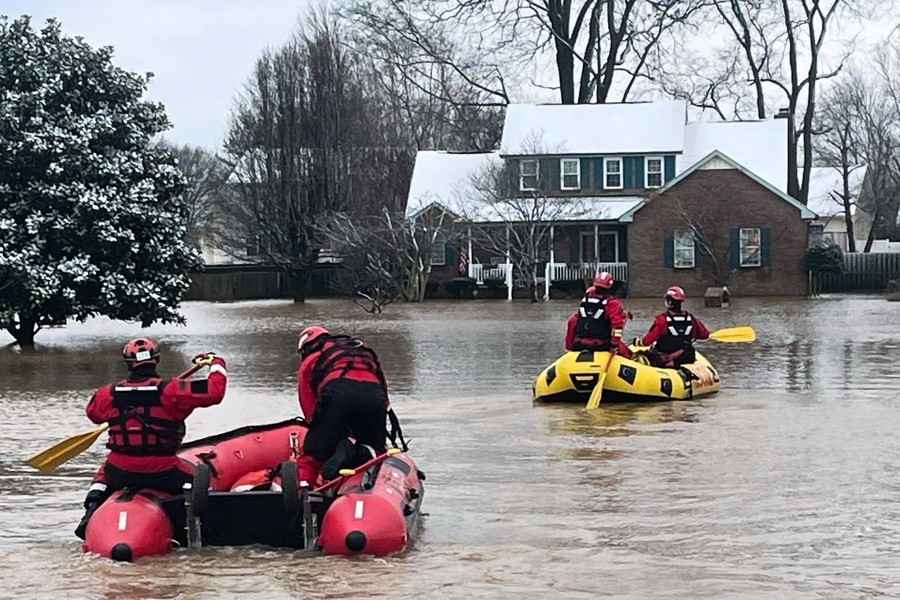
(719, 200)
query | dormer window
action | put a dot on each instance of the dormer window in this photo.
(653, 172)
(528, 175)
(612, 173)
(570, 173)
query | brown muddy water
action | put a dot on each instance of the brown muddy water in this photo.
(784, 485)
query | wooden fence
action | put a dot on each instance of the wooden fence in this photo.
(863, 272)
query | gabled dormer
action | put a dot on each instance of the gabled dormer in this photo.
(591, 175)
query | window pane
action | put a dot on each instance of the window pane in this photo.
(751, 255)
(654, 165)
(570, 167)
(613, 166)
(570, 181)
(528, 167)
(654, 180)
(613, 180)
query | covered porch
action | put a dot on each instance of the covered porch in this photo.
(575, 252)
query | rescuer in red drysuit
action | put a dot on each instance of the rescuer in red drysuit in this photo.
(599, 321)
(146, 424)
(342, 392)
(673, 333)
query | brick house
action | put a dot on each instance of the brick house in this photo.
(637, 177)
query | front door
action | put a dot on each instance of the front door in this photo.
(607, 246)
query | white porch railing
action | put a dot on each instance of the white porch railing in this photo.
(480, 273)
(578, 271)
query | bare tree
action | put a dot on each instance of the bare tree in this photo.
(206, 177)
(516, 224)
(839, 147)
(594, 43)
(387, 255)
(306, 140)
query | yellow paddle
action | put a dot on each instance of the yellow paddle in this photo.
(597, 393)
(734, 334)
(48, 460)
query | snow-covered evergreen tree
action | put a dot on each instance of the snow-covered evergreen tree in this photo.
(91, 220)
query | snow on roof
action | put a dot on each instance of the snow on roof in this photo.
(558, 209)
(759, 146)
(639, 127)
(444, 177)
(825, 180)
(448, 179)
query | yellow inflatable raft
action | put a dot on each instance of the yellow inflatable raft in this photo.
(574, 375)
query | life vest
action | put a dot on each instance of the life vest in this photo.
(593, 322)
(139, 429)
(344, 354)
(678, 333)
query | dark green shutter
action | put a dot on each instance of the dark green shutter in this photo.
(549, 169)
(450, 255)
(734, 247)
(669, 250)
(598, 174)
(633, 168)
(586, 182)
(766, 247)
(669, 168)
(512, 175)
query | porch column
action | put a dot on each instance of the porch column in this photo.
(469, 235)
(509, 269)
(548, 274)
(596, 249)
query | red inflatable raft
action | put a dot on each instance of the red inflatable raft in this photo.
(372, 509)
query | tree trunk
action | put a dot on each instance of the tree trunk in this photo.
(24, 333)
(297, 281)
(793, 181)
(848, 218)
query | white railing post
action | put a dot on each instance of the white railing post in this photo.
(548, 269)
(509, 281)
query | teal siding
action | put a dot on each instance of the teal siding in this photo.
(598, 173)
(549, 174)
(669, 169)
(633, 167)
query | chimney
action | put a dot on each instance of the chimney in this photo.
(783, 113)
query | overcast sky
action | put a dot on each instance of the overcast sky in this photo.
(201, 51)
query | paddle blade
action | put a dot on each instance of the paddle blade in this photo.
(734, 334)
(597, 393)
(48, 460)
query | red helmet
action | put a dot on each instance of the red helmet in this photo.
(604, 280)
(140, 351)
(309, 335)
(676, 293)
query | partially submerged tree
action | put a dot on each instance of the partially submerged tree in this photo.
(388, 256)
(91, 217)
(304, 142)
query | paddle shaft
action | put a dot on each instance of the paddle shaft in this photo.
(597, 393)
(371, 462)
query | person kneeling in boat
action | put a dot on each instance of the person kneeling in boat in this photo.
(146, 418)
(599, 321)
(673, 333)
(342, 393)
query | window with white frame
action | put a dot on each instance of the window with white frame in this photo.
(570, 173)
(528, 175)
(612, 173)
(751, 247)
(653, 172)
(439, 254)
(684, 253)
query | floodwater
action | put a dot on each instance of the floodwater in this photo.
(784, 485)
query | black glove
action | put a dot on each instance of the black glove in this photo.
(94, 498)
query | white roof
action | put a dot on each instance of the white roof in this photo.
(584, 129)
(579, 208)
(444, 177)
(758, 146)
(825, 180)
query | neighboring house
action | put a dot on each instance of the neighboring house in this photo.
(825, 189)
(635, 175)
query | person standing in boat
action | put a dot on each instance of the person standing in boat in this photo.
(146, 418)
(599, 321)
(673, 333)
(342, 392)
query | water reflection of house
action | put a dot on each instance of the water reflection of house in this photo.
(664, 200)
